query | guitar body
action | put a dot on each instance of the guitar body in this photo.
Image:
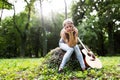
(90, 61)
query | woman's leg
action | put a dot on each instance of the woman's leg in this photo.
(66, 57)
(79, 57)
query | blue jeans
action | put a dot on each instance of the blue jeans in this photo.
(69, 51)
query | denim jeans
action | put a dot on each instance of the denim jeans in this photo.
(69, 51)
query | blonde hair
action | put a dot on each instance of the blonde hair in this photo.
(67, 20)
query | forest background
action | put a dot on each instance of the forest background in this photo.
(30, 33)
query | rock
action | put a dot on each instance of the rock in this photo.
(56, 56)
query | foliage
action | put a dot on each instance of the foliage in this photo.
(53, 30)
(23, 31)
(100, 17)
(4, 4)
(90, 33)
(34, 33)
(9, 39)
(40, 69)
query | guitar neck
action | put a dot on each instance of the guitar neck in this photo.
(82, 45)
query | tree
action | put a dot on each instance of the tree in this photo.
(107, 13)
(4, 4)
(44, 31)
(53, 33)
(35, 41)
(23, 33)
(65, 9)
(9, 40)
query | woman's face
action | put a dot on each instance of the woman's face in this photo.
(69, 26)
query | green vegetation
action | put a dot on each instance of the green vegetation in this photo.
(40, 69)
(29, 33)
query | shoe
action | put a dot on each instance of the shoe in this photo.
(83, 69)
(60, 70)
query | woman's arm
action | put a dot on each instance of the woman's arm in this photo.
(76, 31)
(63, 36)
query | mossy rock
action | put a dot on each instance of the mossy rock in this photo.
(55, 56)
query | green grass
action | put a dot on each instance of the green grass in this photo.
(35, 68)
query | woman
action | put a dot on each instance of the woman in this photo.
(68, 42)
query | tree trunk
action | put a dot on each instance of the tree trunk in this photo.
(44, 43)
(65, 9)
(110, 38)
(22, 48)
(101, 44)
(22, 51)
(44, 32)
(23, 35)
(36, 52)
(1, 14)
(37, 43)
(1, 17)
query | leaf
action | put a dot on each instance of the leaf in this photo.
(5, 5)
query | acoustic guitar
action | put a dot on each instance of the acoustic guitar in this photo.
(90, 59)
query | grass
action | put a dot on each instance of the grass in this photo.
(18, 68)
(36, 69)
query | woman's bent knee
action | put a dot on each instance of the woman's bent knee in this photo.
(71, 49)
